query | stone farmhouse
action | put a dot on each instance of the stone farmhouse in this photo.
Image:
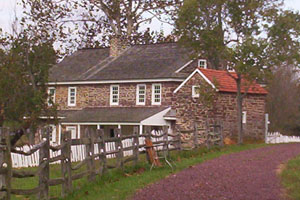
(152, 85)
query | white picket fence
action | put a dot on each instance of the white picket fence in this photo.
(275, 138)
(78, 152)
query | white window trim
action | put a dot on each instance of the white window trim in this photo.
(75, 128)
(244, 117)
(69, 96)
(194, 94)
(138, 94)
(153, 97)
(230, 69)
(202, 60)
(48, 99)
(111, 95)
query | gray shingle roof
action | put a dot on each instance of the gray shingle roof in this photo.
(171, 113)
(137, 62)
(118, 114)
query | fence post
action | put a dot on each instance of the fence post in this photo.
(5, 161)
(148, 136)
(266, 127)
(179, 139)
(66, 172)
(90, 154)
(119, 147)
(195, 135)
(102, 151)
(44, 165)
(166, 141)
(136, 145)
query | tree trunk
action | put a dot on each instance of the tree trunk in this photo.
(239, 100)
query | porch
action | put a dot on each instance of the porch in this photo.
(109, 119)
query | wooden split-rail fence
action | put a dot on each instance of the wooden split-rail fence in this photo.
(95, 144)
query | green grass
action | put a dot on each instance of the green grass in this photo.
(122, 185)
(117, 184)
(290, 178)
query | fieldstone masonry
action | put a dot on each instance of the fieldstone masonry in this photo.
(188, 109)
(224, 108)
(88, 96)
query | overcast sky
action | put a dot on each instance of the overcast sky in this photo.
(7, 8)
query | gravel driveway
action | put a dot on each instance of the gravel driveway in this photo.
(248, 175)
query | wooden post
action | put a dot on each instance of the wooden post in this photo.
(90, 154)
(221, 133)
(148, 131)
(102, 150)
(136, 144)
(148, 136)
(66, 170)
(166, 141)
(5, 161)
(179, 139)
(44, 174)
(119, 147)
(266, 127)
(3, 195)
(195, 135)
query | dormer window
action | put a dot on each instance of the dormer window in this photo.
(202, 63)
(230, 69)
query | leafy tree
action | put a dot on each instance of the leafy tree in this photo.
(26, 57)
(283, 99)
(231, 34)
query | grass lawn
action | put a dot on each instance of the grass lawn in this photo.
(290, 178)
(117, 184)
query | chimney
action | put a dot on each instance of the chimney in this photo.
(118, 45)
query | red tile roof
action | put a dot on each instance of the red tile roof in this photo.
(225, 83)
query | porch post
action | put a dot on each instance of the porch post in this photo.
(78, 128)
(59, 133)
(141, 129)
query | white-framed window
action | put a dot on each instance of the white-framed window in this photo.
(244, 117)
(230, 69)
(73, 130)
(72, 96)
(202, 63)
(51, 96)
(156, 94)
(114, 95)
(195, 91)
(141, 94)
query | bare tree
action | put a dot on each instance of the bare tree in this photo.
(283, 102)
(93, 22)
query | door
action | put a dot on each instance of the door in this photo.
(73, 131)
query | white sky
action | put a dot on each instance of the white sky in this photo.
(7, 8)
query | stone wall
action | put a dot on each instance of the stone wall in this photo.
(223, 108)
(99, 95)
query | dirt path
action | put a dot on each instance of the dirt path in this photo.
(248, 175)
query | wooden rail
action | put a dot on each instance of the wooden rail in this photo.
(95, 144)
